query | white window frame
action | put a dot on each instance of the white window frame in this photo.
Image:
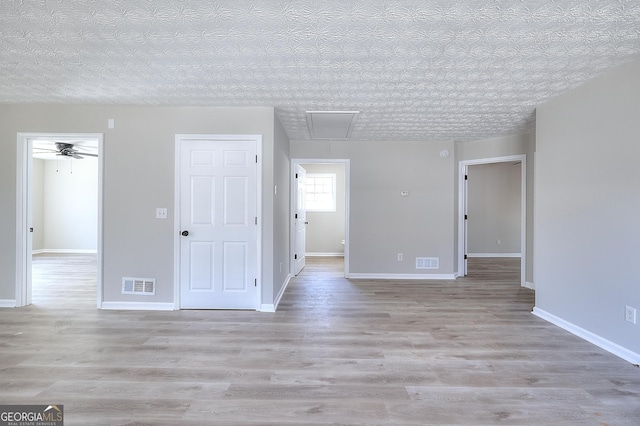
(309, 204)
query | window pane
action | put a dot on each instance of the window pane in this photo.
(321, 192)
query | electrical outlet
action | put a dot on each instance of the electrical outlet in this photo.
(630, 314)
(399, 257)
(161, 213)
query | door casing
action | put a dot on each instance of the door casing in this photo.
(462, 210)
(24, 210)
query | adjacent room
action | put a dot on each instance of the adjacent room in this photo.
(64, 194)
(325, 210)
(494, 225)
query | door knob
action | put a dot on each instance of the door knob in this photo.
(185, 233)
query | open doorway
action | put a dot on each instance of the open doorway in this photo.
(492, 218)
(59, 218)
(326, 212)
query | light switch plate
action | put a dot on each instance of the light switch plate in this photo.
(161, 213)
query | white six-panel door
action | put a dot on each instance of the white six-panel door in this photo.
(218, 217)
(300, 218)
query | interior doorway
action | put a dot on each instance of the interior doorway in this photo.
(326, 210)
(59, 215)
(493, 219)
(497, 238)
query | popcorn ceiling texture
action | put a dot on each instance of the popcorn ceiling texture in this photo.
(418, 70)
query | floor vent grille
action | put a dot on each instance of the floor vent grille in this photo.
(427, 262)
(145, 286)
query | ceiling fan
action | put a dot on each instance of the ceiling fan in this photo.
(66, 149)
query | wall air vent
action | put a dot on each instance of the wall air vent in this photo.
(427, 262)
(145, 286)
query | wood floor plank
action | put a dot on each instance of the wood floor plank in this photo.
(190, 391)
(337, 351)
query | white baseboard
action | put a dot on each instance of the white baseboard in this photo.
(340, 254)
(138, 306)
(494, 255)
(70, 251)
(268, 307)
(590, 337)
(7, 303)
(357, 276)
(529, 285)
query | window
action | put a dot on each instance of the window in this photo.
(320, 192)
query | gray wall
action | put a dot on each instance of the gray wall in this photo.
(325, 230)
(494, 205)
(587, 200)
(37, 191)
(382, 223)
(70, 205)
(280, 191)
(138, 177)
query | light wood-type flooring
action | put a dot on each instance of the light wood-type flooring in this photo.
(338, 351)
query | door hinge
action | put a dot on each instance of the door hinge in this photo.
(256, 220)
(466, 217)
(465, 257)
(296, 216)
(296, 176)
(256, 159)
(30, 229)
(295, 256)
(255, 282)
(466, 177)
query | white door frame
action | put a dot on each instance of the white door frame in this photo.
(176, 208)
(462, 208)
(347, 190)
(24, 213)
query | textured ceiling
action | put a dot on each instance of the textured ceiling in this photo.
(428, 70)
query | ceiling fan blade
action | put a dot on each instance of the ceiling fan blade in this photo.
(65, 155)
(86, 154)
(67, 142)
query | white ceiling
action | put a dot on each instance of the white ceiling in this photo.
(416, 70)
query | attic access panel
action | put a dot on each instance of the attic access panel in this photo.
(331, 124)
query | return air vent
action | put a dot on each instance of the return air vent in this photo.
(146, 286)
(427, 262)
